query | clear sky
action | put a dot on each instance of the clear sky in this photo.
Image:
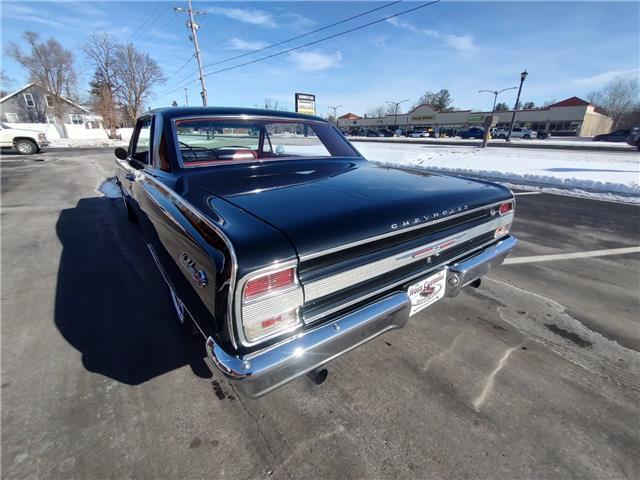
(568, 48)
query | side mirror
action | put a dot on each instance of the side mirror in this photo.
(121, 153)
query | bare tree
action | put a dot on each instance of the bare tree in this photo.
(50, 66)
(376, 112)
(6, 83)
(136, 75)
(440, 101)
(101, 49)
(618, 98)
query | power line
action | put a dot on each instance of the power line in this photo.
(194, 27)
(259, 24)
(303, 35)
(321, 40)
(148, 21)
(253, 27)
(297, 37)
(180, 69)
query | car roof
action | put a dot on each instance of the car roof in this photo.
(177, 112)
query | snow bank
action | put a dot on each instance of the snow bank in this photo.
(547, 142)
(611, 172)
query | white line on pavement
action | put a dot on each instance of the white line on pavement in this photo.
(527, 193)
(568, 256)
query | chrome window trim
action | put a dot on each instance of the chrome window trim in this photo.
(315, 318)
(240, 117)
(334, 283)
(274, 267)
(402, 230)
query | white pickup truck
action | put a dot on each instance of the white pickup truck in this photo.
(25, 142)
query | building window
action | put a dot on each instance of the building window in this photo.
(51, 119)
(28, 99)
(49, 100)
(76, 119)
(12, 117)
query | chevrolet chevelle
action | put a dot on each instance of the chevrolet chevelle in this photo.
(285, 248)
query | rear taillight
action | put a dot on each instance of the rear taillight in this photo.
(269, 283)
(505, 208)
(502, 230)
(271, 304)
(268, 326)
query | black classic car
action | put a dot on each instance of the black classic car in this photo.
(285, 248)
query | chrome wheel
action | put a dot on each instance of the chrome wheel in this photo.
(26, 147)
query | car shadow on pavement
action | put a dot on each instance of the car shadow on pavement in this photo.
(111, 301)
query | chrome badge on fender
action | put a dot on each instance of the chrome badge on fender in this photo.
(190, 266)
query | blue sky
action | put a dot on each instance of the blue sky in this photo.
(569, 48)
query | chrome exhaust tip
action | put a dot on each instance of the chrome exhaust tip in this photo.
(318, 375)
(476, 283)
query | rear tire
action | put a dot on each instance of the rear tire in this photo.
(26, 147)
(527, 137)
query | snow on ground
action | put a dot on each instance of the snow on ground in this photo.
(108, 188)
(125, 134)
(610, 172)
(560, 141)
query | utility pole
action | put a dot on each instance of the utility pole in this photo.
(493, 109)
(335, 113)
(186, 97)
(194, 27)
(523, 77)
(395, 114)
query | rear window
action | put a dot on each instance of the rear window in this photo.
(210, 141)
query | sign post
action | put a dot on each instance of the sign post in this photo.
(305, 103)
(489, 122)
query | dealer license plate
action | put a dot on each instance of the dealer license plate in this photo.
(427, 291)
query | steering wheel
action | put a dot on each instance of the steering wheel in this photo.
(191, 149)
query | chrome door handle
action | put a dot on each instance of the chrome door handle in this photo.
(130, 176)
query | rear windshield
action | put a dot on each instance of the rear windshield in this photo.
(210, 141)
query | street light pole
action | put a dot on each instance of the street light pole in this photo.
(335, 113)
(194, 27)
(523, 77)
(395, 115)
(493, 109)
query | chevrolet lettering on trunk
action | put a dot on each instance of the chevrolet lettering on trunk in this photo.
(284, 248)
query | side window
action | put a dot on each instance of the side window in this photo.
(142, 144)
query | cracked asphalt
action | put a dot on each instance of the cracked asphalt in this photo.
(533, 375)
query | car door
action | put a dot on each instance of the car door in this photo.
(129, 171)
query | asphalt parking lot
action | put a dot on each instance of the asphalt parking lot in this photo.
(536, 374)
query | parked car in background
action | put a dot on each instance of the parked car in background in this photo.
(372, 133)
(279, 250)
(615, 136)
(517, 132)
(634, 138)
(23, 141)
(473, 132)
(418, 134)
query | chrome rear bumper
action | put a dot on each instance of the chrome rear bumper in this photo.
(461, 274)
(258, 373)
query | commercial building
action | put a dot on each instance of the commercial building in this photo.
(570, 117)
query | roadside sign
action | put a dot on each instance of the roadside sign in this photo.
(306, 103)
